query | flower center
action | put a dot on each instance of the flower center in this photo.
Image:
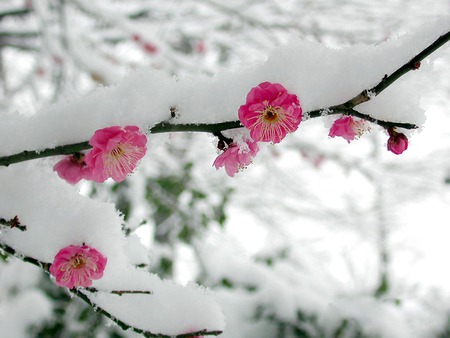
(78, 262)
(270, 114)
(122, 160)
(117, 152)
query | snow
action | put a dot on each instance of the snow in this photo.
(22, 305)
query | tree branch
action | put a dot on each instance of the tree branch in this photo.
(80, 294)
(346, 108)
(368, 94)
(120, 292)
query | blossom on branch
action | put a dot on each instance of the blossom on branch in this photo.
(236, 157)
(73, 168)
(75, 266)
(116, 152)
(397, 142)
(270, 112)
(347, 127)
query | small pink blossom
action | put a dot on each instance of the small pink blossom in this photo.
(347, 127)
(76, 266)
(72, 168)
(116, 152)
(270, 112)
(397, 142)
(236, 157)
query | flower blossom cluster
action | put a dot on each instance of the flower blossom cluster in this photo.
(115, 153)
(350, 128)
(270, 113)
(76, 266)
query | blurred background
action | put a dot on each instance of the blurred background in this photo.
(317, 238)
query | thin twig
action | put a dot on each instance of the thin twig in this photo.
(119, 292)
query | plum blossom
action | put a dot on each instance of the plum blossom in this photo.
(236, 157)
(73, 168)
(347, 127)
(76, 266)
(397, 142)
(270, 112)
(116, 152)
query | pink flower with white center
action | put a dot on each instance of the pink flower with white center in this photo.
(347, 127)
(236, 157)
(270, 112)
(116, 152)
(397, 142)
(72, 168)
(76, 266)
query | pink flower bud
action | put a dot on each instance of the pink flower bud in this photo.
(397, 142)
(150, 48)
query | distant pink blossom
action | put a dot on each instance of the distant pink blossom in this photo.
(235, 157)
(72, 168)
(270, 112)
(150, 48)
(347, 127)
(116, 152)
(76, 266)
(397, 142)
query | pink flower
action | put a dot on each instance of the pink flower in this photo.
(76, 266)
(236, 157)
(116, 152)
(72, 168)
(270, 112)
(397, 142)
(347, 127)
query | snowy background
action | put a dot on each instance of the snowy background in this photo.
(317, 238)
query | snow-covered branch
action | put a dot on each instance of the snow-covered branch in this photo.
(80, 293)
(368, 94)
(346, 108)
